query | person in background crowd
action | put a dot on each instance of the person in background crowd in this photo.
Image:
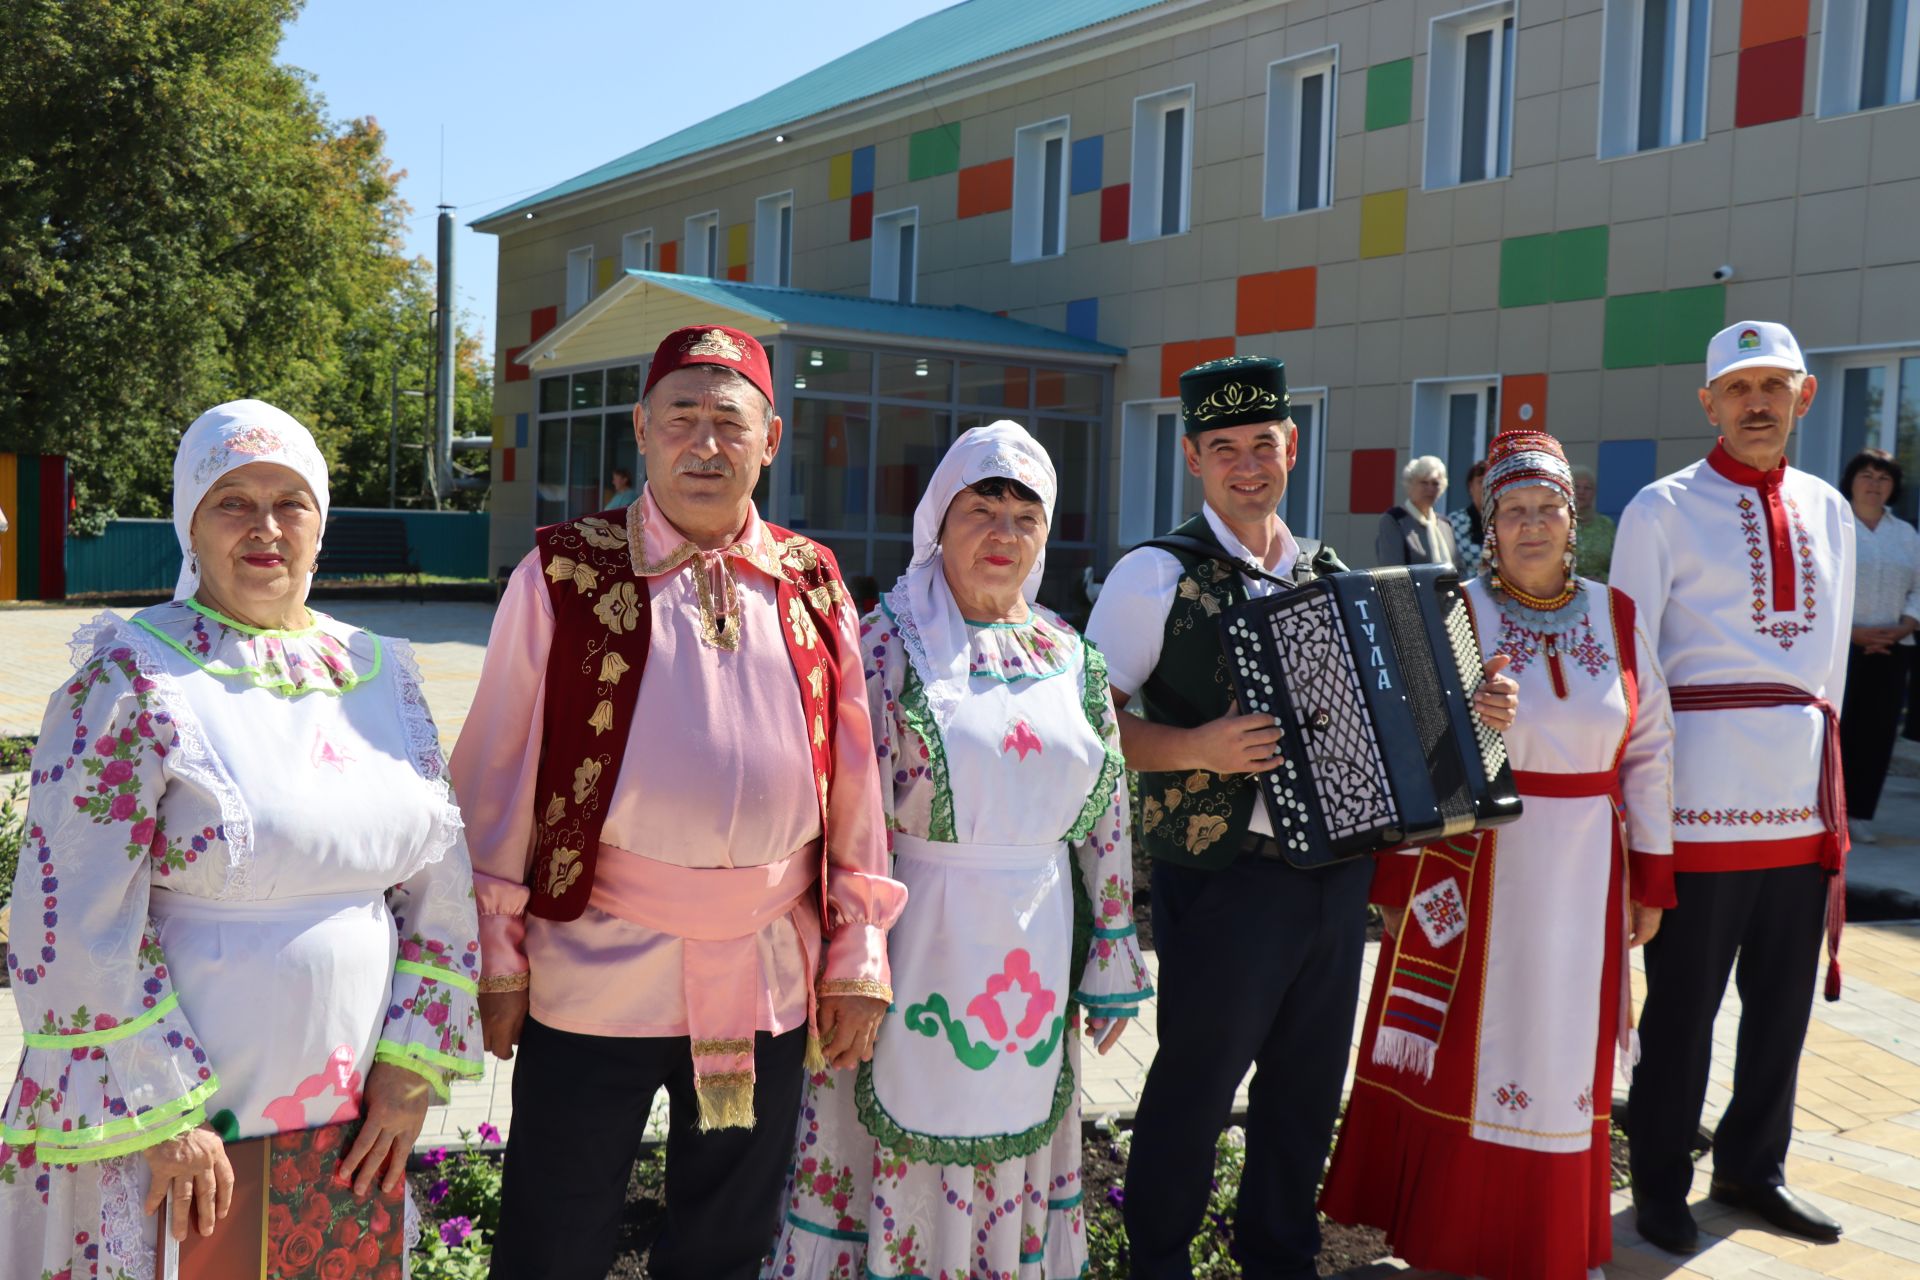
(623, 491)
(1469, 522)
(1886, 613)
(1741, 568)
(1416, 533)
(1531, 921)
(1593, 541)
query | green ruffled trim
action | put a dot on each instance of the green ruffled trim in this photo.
(416, 1058)
(456, 980)
(928, 1149)
(1093, 700)
(257, 676)
(107, 1035)
(435, 1077)
(916, 716)
(135, 1133)
(831, 1233)
(1120, 998)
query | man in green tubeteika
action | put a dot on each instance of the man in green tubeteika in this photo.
(1259, 961)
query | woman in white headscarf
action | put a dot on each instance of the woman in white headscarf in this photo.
(208, 940)
(957, 1149)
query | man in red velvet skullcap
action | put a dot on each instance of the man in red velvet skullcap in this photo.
(673, 809)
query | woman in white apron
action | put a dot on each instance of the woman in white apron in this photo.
(957, 1149)
(243, 904)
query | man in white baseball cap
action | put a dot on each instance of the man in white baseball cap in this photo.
(1740, 568)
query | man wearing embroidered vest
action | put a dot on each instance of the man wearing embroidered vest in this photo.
(669, 783)
(1742, 571)
(1259, 962)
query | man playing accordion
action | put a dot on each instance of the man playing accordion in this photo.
(1259, 961)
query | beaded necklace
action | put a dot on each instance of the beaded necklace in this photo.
(1550, 617)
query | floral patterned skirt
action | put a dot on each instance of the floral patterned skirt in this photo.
(855, 1209)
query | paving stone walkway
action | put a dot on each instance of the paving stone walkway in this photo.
(1856, 1148)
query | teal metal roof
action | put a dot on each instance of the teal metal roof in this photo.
(807, 309)
(969, 32)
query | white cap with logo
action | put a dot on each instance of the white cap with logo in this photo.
(1753, 344)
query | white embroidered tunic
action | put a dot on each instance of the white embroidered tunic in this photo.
(250, 884)
(1736, 587)
(1030, 761)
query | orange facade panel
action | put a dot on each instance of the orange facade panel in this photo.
(986, 188)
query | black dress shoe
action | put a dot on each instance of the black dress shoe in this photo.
(1779, 1207)
(1666, 1226)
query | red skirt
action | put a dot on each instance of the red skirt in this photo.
(1407, 1161)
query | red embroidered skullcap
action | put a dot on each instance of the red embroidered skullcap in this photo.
(712, 344)
(1522, 457)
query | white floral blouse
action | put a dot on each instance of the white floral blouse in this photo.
(243, 882)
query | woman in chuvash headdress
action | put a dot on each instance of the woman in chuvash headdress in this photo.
(1477, 1135)
(956, 1151)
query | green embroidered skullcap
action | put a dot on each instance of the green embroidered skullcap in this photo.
(1233, 392)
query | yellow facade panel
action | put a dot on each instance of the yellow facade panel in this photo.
(840, 176)
(1383, 224)
(739, 240)
(603, 274)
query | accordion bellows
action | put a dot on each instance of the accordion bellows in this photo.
(1371, 675)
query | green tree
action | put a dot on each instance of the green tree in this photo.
(181, 224)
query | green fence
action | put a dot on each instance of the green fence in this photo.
(143, 555)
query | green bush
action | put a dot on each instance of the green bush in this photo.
(13, 829)
(435, 1259)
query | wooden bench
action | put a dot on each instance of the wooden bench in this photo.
(374, 545)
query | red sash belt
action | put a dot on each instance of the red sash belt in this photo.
(1833, 795)
(1568, 786)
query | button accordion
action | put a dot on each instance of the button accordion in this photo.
(1371, 675)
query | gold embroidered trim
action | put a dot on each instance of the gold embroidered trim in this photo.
(715, 342)
(1234, 398)
(707, 1048)
(857, 987)
(505, 982)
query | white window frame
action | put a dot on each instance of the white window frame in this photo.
(1148, 474)
(1285, 86)
(636, 250)
(1843, 25)
(770, 264)
(1816, 446)
(1622, 72)
(1432, 424)
(1314, 449)
(579, 277)
(1447, 37)
(1149, 160)
(887, 284)
(704, 228)
(1030, 194)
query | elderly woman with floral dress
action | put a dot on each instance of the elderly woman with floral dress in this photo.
(956, 1151)
(243, 905)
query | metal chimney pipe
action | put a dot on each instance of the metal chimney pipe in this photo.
(447, 337)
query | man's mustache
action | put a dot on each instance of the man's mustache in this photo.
(1760, 420)
(715, 466)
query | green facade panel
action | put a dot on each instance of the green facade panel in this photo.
(1390, 94)
(1526, 271)
(932, 152)
(1633, 330)
(1580, 264)
(1689, 320)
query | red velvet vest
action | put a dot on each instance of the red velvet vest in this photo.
(603, 617)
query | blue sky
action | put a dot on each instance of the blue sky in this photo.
(531, 94)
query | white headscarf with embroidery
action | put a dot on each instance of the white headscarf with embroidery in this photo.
(931, 626)
(226, 437)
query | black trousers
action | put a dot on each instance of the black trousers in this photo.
(1869, 722)
(1912, 731)
(1259, 966)
(579, 1112)
(1765, 927)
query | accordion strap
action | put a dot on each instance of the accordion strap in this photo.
(1180, 542)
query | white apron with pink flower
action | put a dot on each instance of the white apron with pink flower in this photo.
(958, 1151)
(218, 822)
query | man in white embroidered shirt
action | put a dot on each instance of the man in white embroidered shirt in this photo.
(1742, 569)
